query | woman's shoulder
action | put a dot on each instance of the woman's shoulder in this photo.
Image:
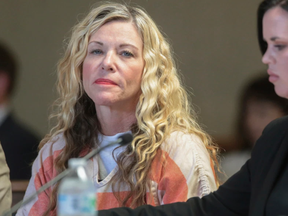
(280, 125)
(55, 144)
(44, 162)
(275, 131)
(272, 137)
(179, 141)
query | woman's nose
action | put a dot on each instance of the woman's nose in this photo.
(108, 63)
(267, 58)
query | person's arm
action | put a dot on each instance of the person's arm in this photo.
(41, 174)
(43, 171)
(5, 184)
(186, 171)
(231, 199)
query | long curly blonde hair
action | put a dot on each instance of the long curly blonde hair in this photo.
(163, 105)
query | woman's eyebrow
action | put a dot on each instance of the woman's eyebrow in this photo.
(97, 42)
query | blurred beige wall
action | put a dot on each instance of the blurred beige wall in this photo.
(214, 41)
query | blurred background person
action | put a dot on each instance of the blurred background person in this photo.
(258, 106)
(18, 142)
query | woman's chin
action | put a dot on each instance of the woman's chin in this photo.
(282, 91)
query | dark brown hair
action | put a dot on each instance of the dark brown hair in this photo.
(263, 7)
(8, 65)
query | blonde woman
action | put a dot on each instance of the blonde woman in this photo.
(118, 75)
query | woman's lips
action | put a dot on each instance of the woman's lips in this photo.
(272, 77)
(102, 81)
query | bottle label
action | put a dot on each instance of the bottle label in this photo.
(75, 204)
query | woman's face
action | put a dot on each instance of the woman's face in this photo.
(113, 66)
(275, 33)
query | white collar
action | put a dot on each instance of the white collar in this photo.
(104, 140)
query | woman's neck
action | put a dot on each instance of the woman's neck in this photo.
(115, 121)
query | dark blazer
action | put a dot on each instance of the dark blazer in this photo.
(20, 147)
(245, 193)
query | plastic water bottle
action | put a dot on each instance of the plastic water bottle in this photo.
(77, 194)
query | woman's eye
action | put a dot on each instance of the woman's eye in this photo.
(280, 47)
(97, 51)
(127, 54)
